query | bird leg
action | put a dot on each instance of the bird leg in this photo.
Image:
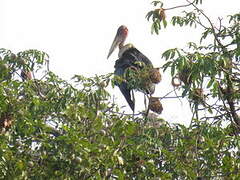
(145, 103)
(133, 98)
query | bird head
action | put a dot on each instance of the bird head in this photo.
(119, 39)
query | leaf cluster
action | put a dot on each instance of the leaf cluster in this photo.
(63, 130)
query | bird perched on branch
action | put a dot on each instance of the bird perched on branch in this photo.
(131, 58)
(26, 74)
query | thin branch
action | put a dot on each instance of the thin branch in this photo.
(186, 5)
(125, 114)
(166, 94)
(201, 24)
(170, 97)
(220, 24)
(212, 26)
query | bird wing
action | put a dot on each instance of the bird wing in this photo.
(129, 59)
(126, 93)
(135, 55)
(120, 66)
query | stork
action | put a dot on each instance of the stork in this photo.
(128, 56)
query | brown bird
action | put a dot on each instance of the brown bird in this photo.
(26, 75)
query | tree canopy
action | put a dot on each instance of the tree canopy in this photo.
(57, 129)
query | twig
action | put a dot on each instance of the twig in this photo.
(126, 114)
(215, 117)
(212, 26)
(166, 95)
(170, 97)
(201, 24)
(177, 7)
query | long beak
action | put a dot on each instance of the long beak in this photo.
(117, 40)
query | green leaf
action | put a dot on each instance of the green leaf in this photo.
(164, 23)
(210, 83)
(172, 70)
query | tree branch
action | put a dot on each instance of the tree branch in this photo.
(178, 7)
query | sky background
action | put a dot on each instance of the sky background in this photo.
(78, 34)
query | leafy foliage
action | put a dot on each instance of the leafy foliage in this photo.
(208, 73)
(141, 79)
(212, 69)
(60, 130)
(54, 129)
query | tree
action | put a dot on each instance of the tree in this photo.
(209, 73)
(54, 129)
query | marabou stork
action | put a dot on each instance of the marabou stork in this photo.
(128, 56)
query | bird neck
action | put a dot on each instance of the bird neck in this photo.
(121, 45)
(123, 48)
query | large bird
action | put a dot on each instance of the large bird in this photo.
(128, 56)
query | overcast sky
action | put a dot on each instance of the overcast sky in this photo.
(77, 35)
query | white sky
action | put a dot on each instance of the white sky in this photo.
(77, 35)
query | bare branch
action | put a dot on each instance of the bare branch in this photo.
(186, 5)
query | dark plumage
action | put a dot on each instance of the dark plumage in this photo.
(128, 58)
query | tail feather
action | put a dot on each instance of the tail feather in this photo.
(126, 93)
